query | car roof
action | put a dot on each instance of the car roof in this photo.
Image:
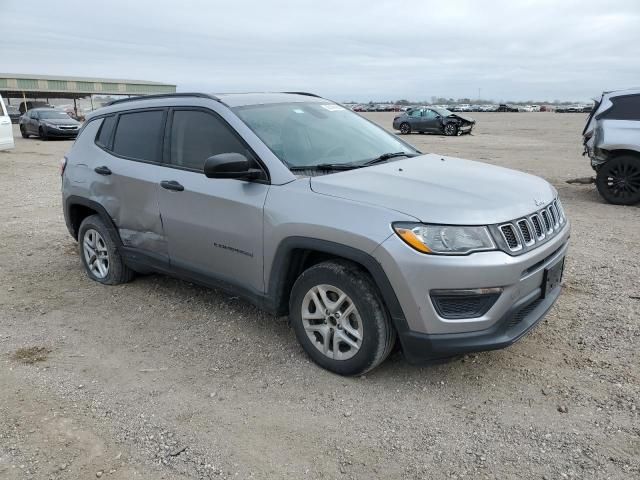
(244, 99)
(231, 100)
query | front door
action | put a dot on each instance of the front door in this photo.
(214, 226)
(6, 130)
(431, 121)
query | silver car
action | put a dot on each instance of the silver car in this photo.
(612, 142)
(309, 210)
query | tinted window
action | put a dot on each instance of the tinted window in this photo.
(415, 113)
(106, 129)
(196, 136)
(430, 114)
(139, 135)
(625, 107)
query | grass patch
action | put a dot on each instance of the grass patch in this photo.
(31, 355)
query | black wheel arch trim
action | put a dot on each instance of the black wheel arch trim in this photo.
(284, 264)
(73, 200)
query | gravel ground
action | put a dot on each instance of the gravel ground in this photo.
(163, 379)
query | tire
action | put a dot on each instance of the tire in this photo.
(451, 130)
(405, 128)
(618, 180)
(108, 266)
(320, 287)
(42, 135)
(23, 132)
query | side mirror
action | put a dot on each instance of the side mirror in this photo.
(230, 165)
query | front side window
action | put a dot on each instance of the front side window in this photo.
(310, 133)
(139, 135)
(430, 114)
(198, 135)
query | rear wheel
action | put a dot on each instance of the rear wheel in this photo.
(23, 132)
(100, 257)
(618, 180)
(405, 128)
(340, 319)
(451, 129)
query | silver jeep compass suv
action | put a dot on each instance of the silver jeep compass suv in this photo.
(307, 209)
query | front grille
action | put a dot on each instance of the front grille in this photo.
(523, 234)
(523, 225)
(547, 223)
(510, 236)
(535, 220)
(463, 306)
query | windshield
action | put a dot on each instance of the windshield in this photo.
(443, 112)
(311, 133)
(53, 114)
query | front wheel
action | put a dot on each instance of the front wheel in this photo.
(405, 128)
(340, 319)
(618, 180)
(23, 132)
(42, 134)
(451, 129)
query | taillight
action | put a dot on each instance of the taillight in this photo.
(63, 165)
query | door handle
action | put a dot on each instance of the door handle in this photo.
(102, 170)
(171, 185)
(6, 122)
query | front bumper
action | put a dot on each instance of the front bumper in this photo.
(424, 334)
(61, 133)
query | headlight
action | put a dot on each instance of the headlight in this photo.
(445, 239)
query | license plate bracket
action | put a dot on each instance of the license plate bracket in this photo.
(552, 277)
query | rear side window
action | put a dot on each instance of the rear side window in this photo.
(139, 135)
(197, 135)
(106, 130)
(626, 107)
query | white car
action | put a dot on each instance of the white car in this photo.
(6, 130)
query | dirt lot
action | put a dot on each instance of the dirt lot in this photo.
(163, 379)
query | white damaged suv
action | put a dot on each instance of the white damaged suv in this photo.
(612, 141)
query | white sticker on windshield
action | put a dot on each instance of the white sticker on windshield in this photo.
(297, 110)
(332, 108)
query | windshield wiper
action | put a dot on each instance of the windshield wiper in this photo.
(325, 166)
(387, 156)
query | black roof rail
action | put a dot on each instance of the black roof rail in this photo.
(304, 93)
(161, 95)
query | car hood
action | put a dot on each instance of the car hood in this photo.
(437, 189)
(462, 117)
(60, 121)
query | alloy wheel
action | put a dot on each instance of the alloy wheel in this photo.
(96, 254)
(623, 179)
(332, 322)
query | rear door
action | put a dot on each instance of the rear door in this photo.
(214, 226)
(6, 130)
(126, 175)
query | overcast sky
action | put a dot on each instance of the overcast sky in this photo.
(347, 49)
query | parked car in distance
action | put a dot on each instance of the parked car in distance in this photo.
(503, 107)
(14, 113)
(309, 210)
(611, 139)
(6, 131)
(48, 123)
(433, 120)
